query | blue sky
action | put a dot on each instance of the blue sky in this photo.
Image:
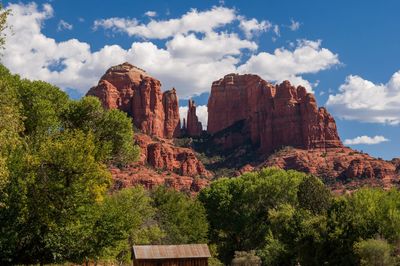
(346, 52)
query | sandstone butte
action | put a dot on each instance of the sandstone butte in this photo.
(156, 115)
(282, 123)
(289, 130)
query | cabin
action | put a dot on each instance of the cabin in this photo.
(171, 255)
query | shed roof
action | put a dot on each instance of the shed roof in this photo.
(171, 251)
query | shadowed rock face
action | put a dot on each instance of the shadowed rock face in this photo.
(133, 91)
(274, 115)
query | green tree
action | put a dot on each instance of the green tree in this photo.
(237, 209)
(84, 114)
(42, 106)
(49, 193)
(113, 129)
(313, 195)
(362, 215)
(182, 218)
(11, 126)
(124, 218)
(117, 134)
(374, 252)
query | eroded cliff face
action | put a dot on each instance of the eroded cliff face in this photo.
(271, 116)
(162, 163)
(156, 115)
(135, 92)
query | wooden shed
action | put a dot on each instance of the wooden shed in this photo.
(171, 255)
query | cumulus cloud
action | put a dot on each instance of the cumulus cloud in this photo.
(192, 21)
(363, 100)
(63, 25)
(201, 112)
(187, 61)
(150, 14)
(307, 57)
(213, 45)
(365, 140)
(250, 27)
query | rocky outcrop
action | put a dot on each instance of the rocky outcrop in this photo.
(339, 167)
(163, 154)
(138, 174)
(172, 124)
(162, 163)
(193, 126)
(269, 116)
(135, 92)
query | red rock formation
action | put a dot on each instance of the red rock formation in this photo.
(271, 116)
(133, 91)
(193, 127)
(137, 174)
(162, 154)
(342, 167)
(162, 163)
(172, 125)
(243, 110)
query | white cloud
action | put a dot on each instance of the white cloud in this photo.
(294, 25)
(151, 14)
(63, 25)
(250, 27)
(186, 61)
(363, 100)
(201, 112)
(277, 30)
(365, 140)
(307, 57)
(192, 21)
(212, 45)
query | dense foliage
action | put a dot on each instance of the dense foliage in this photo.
(289, 218)
(183, 220)
(55, 204)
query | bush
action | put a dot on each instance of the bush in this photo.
(374, 252)
(243, 258)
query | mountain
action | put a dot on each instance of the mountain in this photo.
(251, 124)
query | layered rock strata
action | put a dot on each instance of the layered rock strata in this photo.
(271, 116)
(132, 90)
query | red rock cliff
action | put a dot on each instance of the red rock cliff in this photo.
(172, 125)
(135, 92)
(272, 116)
(193, 127)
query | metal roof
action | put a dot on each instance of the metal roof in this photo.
(171, 251)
